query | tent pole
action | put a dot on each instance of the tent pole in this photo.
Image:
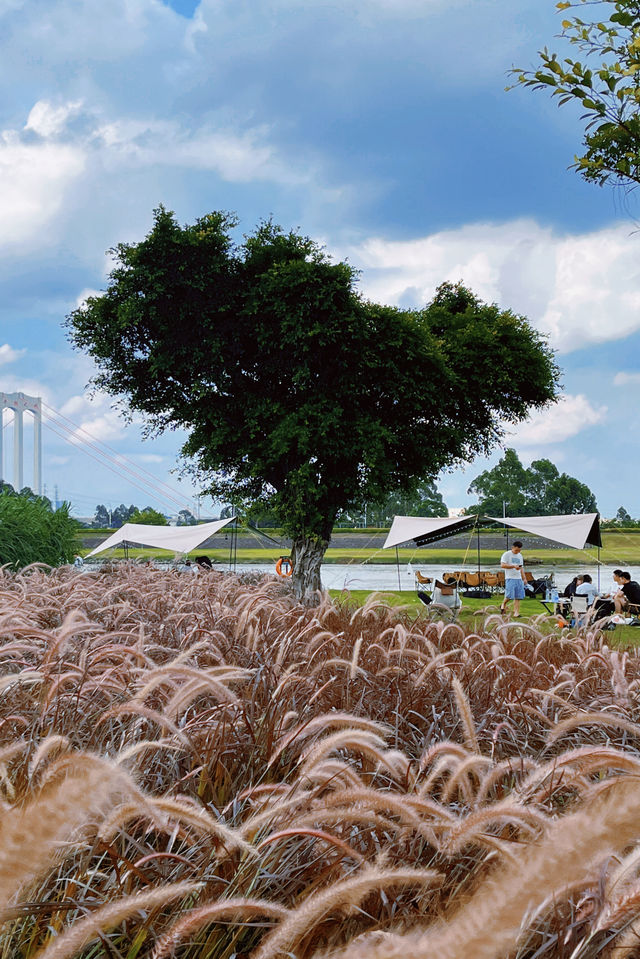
(598, 569)
(235, 546)
(478, 542)
(230, 548)
(398, 566)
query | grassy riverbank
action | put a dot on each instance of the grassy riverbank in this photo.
(365, 546)
(474, 612)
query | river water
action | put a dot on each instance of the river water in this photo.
(378, 576)
(372, 576)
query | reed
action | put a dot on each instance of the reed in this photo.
(340, 779)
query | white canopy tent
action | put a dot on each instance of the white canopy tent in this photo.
(575, 529)
(178, 539)
(407, 528)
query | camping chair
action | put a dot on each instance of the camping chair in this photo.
(490, 581)
(444, 591)
(580, 610)
(453, 579)
(474, 586)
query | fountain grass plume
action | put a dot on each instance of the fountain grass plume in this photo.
(82, 932)
(489, 924)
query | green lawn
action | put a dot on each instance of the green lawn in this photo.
(473, 612)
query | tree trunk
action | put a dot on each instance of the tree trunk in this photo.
(307, 553)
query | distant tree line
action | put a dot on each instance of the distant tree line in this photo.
(538, 490)
(622, 520)
(426, 500)
(114, 519)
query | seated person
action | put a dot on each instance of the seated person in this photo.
(627, 599)
(538, 587)
(571, 588)
(586, 588)
(446, 595)
(607, 605)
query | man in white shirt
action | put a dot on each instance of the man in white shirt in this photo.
(513, 565)
(586, 588)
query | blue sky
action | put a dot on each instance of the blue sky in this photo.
(382, 128)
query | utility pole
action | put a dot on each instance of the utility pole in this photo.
(55, 497)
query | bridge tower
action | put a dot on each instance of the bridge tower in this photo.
(20, 404)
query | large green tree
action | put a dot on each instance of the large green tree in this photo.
(540, 490)
(604, 81)
(293, 389)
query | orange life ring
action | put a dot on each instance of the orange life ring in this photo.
(284, 561)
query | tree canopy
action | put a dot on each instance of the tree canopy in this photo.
(540, 490)
(148, 517)
(294, 390)
(604, 83)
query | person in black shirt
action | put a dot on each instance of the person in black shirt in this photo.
(628, 594)
(570, 588)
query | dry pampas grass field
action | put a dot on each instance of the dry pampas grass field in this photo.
(199, 767)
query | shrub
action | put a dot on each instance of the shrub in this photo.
(31, 531)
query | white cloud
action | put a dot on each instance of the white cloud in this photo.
(578, 289)
(237, 157)
(40, 164)
(148, 458)
(84, 295)
(47, 120)
(34, 178)
(623, 379)
(558, 423)
(12, 383)
(9, 355)
(109, 426)
(89, 419)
